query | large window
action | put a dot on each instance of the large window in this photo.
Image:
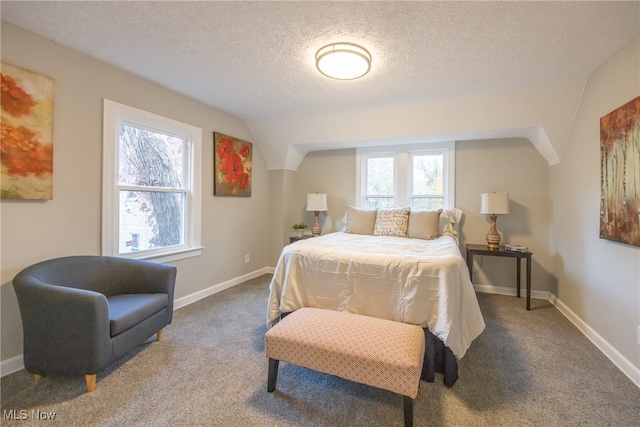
(151, 185)
(419, 176)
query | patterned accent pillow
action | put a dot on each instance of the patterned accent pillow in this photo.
(424, 224)
(392, 222)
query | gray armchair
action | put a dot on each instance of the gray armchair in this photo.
(80, 313)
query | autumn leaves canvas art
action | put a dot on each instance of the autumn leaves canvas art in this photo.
(26, 136)
(620, 174)
(233, 163)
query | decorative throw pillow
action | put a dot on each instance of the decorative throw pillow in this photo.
(424, 224)
(450, 223)
(360, 221)
(392, 222)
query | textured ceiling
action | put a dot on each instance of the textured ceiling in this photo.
(256, 59)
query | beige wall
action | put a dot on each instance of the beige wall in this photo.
(281, 190)
(70, 223)
(515, 167)
(331, 172)
(598, 280)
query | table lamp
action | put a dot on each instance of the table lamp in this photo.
(316, 203)
(494, 204)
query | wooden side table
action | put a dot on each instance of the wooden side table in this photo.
(501, 252)
(296, 238)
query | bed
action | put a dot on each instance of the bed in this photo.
(413, 280)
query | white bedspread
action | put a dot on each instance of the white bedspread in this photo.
(423, 282)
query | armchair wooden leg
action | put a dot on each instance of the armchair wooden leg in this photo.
(159, 335)
(91, 382)
(38, 378)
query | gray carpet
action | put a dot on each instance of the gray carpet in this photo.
(526, 369)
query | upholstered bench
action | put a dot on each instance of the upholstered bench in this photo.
(377, 352)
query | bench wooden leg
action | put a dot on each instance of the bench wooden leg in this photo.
(159, 335)
(91, 382)
(273, 374)
(38, 378)
(408, 411)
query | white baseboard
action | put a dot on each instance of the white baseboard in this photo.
(16, 363)
(11, 365)
(510, 291)
(628, 368)
(196, 296)
(607, 349)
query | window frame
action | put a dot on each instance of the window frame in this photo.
(115, 114)
(403, 175)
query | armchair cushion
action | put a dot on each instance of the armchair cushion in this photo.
(126, 311)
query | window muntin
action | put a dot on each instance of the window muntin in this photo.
(151, 185)
(423, 176)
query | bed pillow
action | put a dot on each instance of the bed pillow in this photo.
(424, 224)
(392, 222)
(450, 223)
(360, 221)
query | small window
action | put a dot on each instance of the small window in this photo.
(380, 174)
(420, 176)
(151, 178)
(427, 181)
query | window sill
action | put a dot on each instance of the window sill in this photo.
(172, 256)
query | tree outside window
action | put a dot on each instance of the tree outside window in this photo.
(151, 185)
(150, 160)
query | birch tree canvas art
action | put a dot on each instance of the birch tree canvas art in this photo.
(620, 174)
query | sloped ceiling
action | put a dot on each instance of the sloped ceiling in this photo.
(441, 70)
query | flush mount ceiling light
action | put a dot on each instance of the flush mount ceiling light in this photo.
(343, 61)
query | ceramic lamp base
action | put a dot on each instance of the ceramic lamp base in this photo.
(317, 229)
(493, 237)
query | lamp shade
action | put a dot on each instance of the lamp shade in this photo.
(494, 203)
(316, 202)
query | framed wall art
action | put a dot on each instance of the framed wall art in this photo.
(232, 166)
(620, 174)
(26, 138)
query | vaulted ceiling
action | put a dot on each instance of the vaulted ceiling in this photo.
(256, 60)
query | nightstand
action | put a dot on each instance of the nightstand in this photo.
(296, 238)
(501, 252)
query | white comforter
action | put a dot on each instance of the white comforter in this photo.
(423, 282)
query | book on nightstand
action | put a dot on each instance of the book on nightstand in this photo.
(515, 247)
